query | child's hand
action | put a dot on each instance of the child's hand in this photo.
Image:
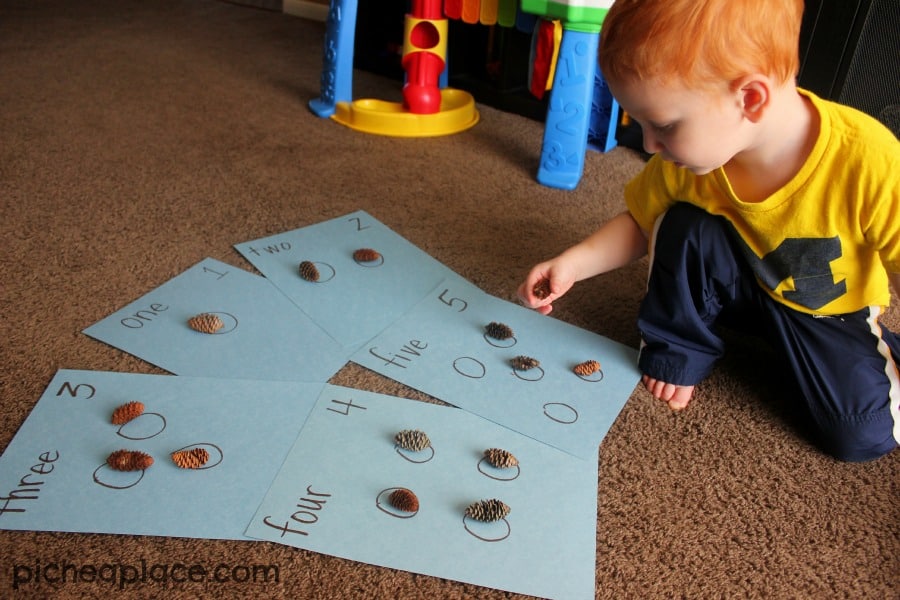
(545, 283)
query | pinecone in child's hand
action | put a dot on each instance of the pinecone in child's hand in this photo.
(487, 510)
(498, 331)
(501, 459)
(206, 323)
(412, 440)
(129, 460)
(541, 289)
(308, 271)
(588, 367)
(404, 499)
(126, 412)
(523, 363)
(190, 459)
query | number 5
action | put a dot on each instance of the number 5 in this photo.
(450, 302)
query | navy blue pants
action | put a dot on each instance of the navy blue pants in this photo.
(845, 366)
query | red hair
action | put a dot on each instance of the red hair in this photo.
(701, 42)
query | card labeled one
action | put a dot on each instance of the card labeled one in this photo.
(260, 333)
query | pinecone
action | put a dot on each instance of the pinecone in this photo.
(501, 459)
(523, 363)
(541, 289)
(586, 368)
(206, 323)
(129, 460)
(412, 439)
(487, 510)
(190, 459)
(498, 331)
(126, 412)
(308, 271)
(404, 499)
(366, 255)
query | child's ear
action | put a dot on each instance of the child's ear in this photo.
(754, 96)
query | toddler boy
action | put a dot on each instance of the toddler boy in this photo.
(764, 208)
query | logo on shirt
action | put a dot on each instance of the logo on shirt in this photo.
(806, 261)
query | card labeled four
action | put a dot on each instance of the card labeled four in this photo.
(353, 487)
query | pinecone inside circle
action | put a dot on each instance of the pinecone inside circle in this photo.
(588, 367)
(487, 510)
(404, 499)
(193, 458)
(309, 271)
(129, 460)
(498, 331)
(523, 363)
(127, 412)
(366, 255)
(412, 440)
(206, 323)
(501, 459)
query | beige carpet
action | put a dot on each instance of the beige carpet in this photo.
(138, 137)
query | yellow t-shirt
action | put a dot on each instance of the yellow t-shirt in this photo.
(823, 243)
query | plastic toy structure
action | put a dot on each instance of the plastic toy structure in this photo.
(428, 107)
(580, 105)
(581, 113)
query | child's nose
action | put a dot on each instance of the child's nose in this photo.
(652, 145)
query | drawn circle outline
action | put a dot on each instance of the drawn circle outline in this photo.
(517, 372)
(491, 341)
(229, 324)
(401, 451)
(518, 472)
(371, 264)
(475, 360)
(116, 487)
(591, 378)
(323, 279)
(552, 418)
(140, 416)
(484, 539)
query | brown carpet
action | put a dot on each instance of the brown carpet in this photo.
(138, 137)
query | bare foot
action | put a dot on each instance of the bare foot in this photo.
(677, 396)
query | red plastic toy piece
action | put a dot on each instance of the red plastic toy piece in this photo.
(421, 93)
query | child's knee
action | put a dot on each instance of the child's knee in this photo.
(858, 441)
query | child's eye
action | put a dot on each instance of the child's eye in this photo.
(666, 128)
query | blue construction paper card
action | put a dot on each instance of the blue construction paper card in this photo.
(264, 335)
(333, 495)
(352, 300)
(440, 347)
(54, 476)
